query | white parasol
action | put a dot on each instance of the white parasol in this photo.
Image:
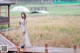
(20, 9)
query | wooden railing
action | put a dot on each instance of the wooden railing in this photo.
(6, 36)
(46, 49)
(4, 20)
(37, 8)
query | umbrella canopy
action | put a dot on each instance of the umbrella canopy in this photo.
(20, 9)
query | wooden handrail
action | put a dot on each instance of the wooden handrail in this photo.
(8, 38)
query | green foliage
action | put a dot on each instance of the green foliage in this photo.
(3, 26)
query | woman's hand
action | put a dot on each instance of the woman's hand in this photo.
(20, 23)
(24, 32)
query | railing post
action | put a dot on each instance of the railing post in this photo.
(46, 48)
(75, 48)
(18, 49)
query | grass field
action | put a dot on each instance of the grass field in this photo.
(59, 28)
(56, 9)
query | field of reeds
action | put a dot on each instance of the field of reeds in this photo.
(56, 31)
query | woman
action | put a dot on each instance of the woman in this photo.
(26, 42)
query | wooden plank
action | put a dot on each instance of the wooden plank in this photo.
(4, 23)
(50, 50)
(12, 49)
(4, 20)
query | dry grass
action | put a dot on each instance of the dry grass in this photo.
(57, 31)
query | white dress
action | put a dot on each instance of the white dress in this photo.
(23, 29)
(22, 25)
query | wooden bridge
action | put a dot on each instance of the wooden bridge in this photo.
(14, 48)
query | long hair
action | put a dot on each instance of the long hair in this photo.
(24, 15)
